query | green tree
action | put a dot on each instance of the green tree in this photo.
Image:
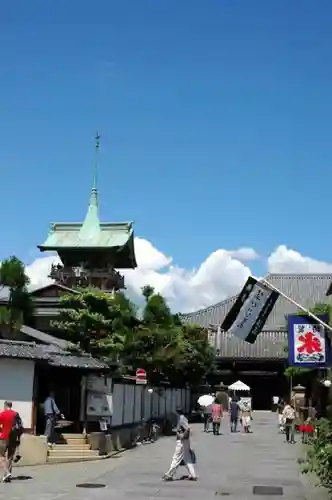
(167, 349)
(195, 357)
(19, 307)
(107, 325)
(154, 343)
(96, 321)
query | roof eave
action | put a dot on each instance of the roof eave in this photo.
(57, 285)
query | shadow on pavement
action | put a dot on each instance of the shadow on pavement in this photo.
(21, 478)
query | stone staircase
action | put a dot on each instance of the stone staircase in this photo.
(72, 448)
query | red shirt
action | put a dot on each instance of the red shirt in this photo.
(216, 412)
(7, 418)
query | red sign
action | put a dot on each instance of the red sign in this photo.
(141, 376)
(309, 343)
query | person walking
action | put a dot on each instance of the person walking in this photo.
(11, 430)
(246, 417)
(183, 453)
(289, 416)
(234, 410)
(216, 414)
(207, 417)
(52, 414)
(281, 418)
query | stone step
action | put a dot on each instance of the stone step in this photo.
(67, 451)
(73, 439)
(74, 446)
(70, 435)
(60, 459)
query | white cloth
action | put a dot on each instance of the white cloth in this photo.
(289, 412)
(182, 452)
(281, 419)
(246, 421)
(183, 422)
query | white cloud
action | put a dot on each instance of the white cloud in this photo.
(244, 254)
(148, 257)
(221, 275)
(286, 260)
(39, 270)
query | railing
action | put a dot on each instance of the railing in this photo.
(107, 278)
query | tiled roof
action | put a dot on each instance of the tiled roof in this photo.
(51, 354)
(269, 345)
(305, 289)
(22, 350)
(44, 337)
(35, 289)
(75, 361)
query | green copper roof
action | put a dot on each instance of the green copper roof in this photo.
(90, 230)
(88, 235)
(92, 234)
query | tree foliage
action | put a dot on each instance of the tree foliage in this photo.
(18, 309)
(319, 454)
(109, 326)
(96, 321)
(166, 348)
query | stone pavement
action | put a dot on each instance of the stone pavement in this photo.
(230, 465)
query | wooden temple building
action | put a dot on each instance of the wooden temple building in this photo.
(261, 365)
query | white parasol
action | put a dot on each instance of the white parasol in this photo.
(205, 400)
(239, 386)
(61, 424)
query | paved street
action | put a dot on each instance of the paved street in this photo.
(229, 465)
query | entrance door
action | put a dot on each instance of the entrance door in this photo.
(66, 385)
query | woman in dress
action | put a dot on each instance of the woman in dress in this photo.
(217, 413)
(246, 417)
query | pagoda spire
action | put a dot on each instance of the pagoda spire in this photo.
(95, 169)
(90, 229)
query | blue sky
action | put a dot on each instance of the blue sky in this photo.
(215, 120)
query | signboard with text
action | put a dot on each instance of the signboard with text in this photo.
(308, 344)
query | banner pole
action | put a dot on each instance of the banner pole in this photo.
(313, 316)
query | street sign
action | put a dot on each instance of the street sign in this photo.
(141, 376)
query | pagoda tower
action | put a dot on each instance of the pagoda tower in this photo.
(91, 252)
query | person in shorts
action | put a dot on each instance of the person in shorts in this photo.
(8, 439)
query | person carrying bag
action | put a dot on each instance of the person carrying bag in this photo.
(183, 455)
(289, 416)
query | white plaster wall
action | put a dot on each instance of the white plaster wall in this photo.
(16, 385)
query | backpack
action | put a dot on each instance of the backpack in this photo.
(17, 429)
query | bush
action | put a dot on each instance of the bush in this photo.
(319, 454)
